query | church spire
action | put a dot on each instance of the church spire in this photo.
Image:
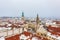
(37, 19)
(22, 14)
(37, 22)
(22, 18)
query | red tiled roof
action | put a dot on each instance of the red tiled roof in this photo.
(26, 33)
(33, 35)
(16, 37)
(57, 22)
(54, 30)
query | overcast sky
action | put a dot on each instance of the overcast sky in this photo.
(45, 8)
